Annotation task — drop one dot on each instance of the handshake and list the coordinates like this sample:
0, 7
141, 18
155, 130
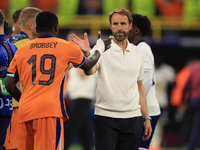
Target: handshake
101, 45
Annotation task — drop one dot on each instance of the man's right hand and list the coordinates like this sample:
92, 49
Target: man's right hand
89, 66
101, 45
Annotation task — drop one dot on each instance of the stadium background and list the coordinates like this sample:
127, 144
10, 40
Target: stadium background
174, 38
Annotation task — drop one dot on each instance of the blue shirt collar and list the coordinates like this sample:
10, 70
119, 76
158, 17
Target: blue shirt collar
139, 42
45, 36
23, 33
2, 36
18, 37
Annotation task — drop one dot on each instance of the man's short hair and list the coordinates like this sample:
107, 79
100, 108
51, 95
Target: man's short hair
143, 23
121, 11
1, 17
28, 15
46, 20
16, 14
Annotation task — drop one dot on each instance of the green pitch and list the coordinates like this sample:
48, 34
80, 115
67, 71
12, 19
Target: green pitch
78, 147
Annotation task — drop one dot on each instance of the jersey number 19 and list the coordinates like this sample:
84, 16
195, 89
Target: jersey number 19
50, 71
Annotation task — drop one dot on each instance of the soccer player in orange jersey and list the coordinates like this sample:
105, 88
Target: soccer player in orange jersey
27, 19
41, 66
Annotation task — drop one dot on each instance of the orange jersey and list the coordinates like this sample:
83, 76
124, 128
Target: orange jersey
177, 92
41, 66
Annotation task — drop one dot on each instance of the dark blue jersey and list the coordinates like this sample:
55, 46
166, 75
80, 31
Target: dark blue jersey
6, 105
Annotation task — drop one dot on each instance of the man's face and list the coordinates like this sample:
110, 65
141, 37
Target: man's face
120, 26
17, 26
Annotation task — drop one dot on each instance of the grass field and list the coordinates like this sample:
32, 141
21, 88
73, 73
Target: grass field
78, 147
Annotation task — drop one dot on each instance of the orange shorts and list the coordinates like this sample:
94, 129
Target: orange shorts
41, 134
11, 141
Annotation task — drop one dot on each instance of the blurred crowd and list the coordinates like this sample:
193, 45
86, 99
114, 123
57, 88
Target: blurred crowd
188, 8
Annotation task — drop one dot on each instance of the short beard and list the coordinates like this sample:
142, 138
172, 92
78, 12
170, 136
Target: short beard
120, 38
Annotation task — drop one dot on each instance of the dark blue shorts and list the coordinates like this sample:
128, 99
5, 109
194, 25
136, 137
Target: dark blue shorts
4, 123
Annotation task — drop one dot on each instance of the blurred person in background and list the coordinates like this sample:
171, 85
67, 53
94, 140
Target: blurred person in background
165, 76
4, 6
183, 114
28, 24
142, 27
193, 85
27, 19
121, 107
16, 25
90, 7
169, 7
7, 51
50, 5
79, 122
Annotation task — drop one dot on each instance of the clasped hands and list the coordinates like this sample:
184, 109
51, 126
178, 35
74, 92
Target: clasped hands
101, 45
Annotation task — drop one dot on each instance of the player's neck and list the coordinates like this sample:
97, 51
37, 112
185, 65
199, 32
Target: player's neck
2, 31
121, 44
28, 33
136, 39
46, 34
15, 33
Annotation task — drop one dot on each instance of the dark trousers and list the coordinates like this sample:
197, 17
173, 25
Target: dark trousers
186, 125
117, 133
78, 124
4, 123
194, 136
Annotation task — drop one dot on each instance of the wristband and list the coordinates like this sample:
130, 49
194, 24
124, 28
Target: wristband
147, 118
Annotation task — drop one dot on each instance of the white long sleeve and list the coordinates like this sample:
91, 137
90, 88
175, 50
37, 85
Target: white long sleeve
147, 82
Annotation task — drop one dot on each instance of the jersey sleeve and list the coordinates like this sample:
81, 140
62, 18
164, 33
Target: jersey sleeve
147, 57
12, 69
76, 57
147, 62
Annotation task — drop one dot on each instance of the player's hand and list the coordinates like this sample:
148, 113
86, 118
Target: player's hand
147, 130
83, 44
107, 42
102, 45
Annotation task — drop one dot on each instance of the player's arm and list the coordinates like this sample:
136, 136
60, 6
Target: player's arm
91, 61
186, 88
148, 72
91, 71
144, 111
12, 88
70, 66
147, 82
80, 73
98, 49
